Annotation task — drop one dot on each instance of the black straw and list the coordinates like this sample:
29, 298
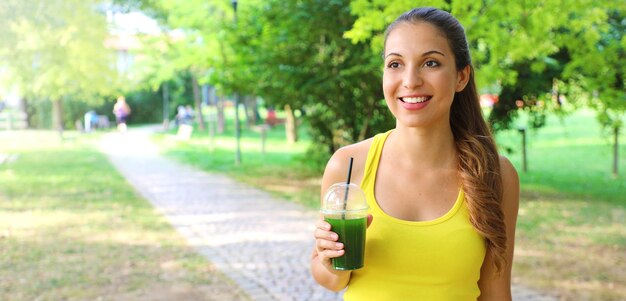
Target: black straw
349, 171
345, 196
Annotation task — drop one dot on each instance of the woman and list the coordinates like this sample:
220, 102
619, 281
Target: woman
443, 203
121, 109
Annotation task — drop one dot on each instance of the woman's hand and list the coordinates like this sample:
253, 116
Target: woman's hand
326, 244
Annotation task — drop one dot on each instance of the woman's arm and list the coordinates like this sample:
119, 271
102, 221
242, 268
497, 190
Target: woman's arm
498, 287
326, 245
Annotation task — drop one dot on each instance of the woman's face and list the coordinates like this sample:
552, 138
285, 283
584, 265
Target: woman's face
420, 76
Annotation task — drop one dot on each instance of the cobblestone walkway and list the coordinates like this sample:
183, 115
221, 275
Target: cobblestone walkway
262, 243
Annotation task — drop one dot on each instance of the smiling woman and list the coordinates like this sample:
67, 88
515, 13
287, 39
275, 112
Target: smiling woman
436, 175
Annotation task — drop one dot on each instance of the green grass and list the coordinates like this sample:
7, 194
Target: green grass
572, 156
571, 238
71, 228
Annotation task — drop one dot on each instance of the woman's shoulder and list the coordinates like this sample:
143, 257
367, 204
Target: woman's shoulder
355, 149
510, 186
337, 166
508, 171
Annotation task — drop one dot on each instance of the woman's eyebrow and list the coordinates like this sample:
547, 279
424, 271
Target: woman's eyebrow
393, 53
423, 54
433, 52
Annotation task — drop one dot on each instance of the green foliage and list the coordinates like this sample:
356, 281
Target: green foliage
322, 56
285, 52
147, 104
195, 40
74, 109
55, 48
39, 115
299, 56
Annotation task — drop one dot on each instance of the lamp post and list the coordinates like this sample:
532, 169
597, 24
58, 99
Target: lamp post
234, 2
237, 125
166, 105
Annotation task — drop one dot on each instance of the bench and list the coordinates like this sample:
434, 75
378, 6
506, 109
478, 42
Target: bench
13, 120
184, 132
262, 129
274, 121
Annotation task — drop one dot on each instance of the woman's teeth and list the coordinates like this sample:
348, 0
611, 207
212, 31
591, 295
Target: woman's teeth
415, 99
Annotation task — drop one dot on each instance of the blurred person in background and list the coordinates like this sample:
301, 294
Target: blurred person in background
121, 111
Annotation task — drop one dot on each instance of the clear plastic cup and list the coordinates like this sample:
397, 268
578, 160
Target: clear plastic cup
344, 207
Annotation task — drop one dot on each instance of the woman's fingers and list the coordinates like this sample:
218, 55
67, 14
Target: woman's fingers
323, 244
327, 254
322, 224
326, 242
370, 218
324, 234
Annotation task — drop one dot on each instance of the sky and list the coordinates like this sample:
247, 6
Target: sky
132, 23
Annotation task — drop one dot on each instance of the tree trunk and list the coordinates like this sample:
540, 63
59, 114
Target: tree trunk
615, 151
57, 115
24, 108
252, 110
221, 121
243, 100
198, 103
291, 128
367, 119
166, 105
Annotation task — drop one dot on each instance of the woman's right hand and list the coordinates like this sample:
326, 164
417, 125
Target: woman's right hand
326, 244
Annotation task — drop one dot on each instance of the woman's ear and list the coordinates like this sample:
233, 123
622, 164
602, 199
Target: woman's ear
463, 76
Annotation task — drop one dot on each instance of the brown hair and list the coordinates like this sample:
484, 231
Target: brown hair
479, 162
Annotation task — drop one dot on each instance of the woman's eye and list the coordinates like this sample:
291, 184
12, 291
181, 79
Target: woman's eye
393, 65
431, 64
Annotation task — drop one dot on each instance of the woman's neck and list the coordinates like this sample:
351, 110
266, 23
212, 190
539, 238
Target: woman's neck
424, 148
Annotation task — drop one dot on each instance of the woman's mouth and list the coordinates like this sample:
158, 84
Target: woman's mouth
414, 103
419, 99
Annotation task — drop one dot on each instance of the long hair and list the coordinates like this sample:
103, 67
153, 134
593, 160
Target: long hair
479, 162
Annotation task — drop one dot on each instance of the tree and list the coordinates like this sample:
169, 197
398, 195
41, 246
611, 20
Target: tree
606, 76
55, 50
203, 47
300, 58
292, 54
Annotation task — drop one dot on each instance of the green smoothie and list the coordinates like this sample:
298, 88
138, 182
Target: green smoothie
352, 234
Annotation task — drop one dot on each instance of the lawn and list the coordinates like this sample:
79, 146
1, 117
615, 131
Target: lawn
71, 228
571, 238
572, 155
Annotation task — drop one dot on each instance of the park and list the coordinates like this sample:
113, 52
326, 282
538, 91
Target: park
211, 188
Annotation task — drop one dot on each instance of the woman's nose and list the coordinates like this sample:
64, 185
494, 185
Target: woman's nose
412, 78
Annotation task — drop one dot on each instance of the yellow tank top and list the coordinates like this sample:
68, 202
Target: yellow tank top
436, 260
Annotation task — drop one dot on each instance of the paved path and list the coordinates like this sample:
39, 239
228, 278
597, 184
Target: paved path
263, 244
